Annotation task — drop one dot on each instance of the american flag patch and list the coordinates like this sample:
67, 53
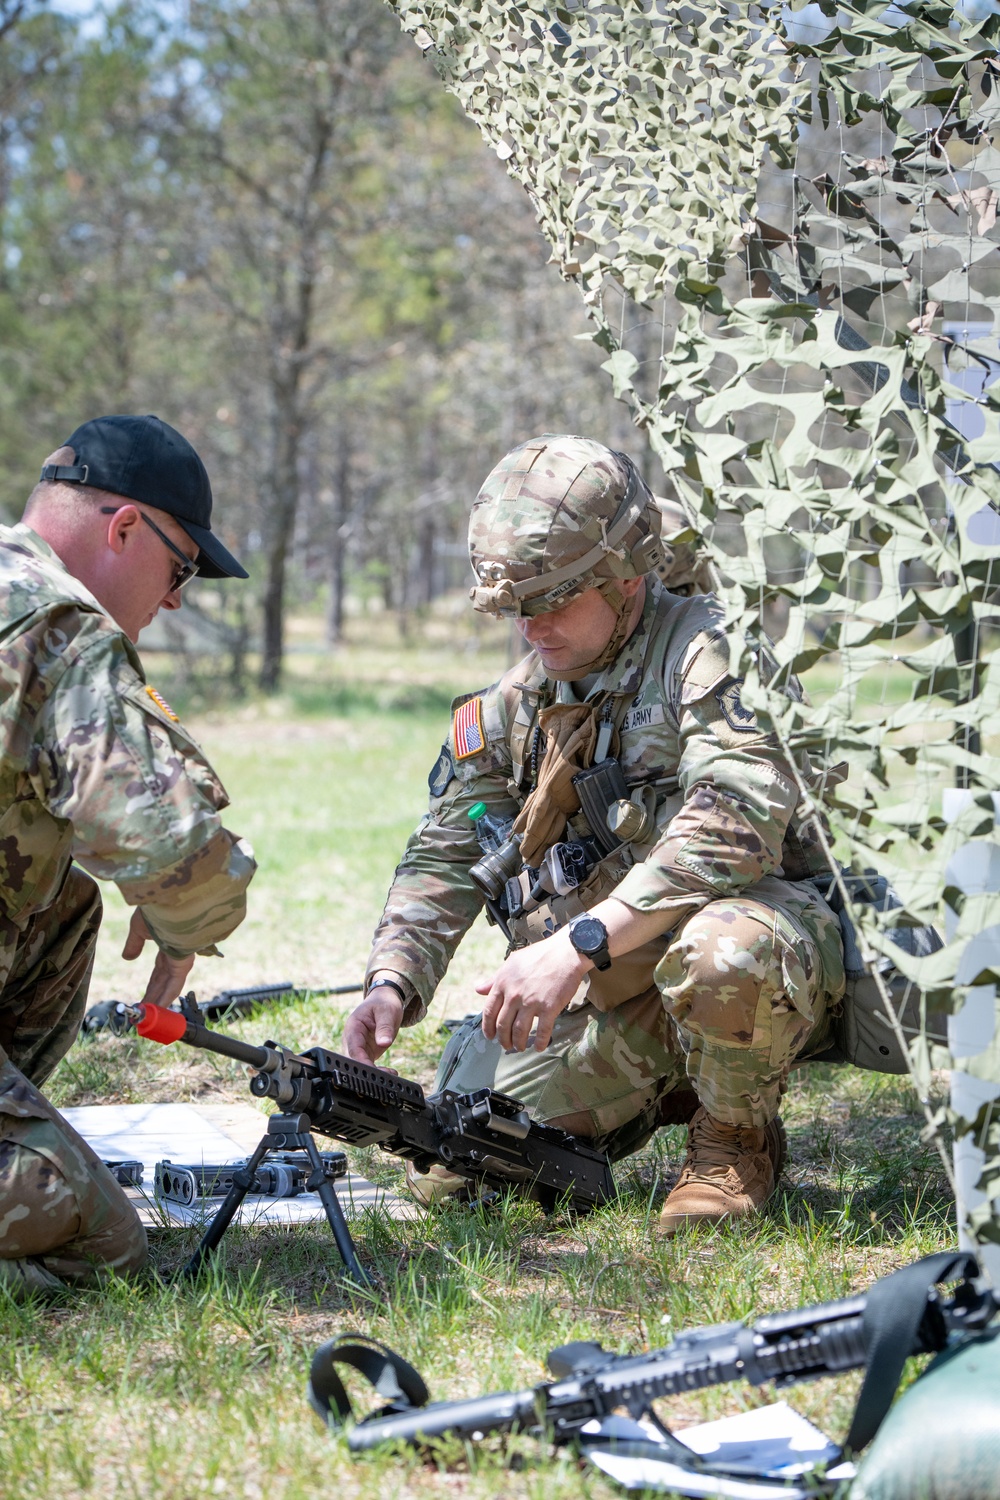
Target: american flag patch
467, 725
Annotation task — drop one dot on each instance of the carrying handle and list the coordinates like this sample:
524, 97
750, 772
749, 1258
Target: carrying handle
389, 1375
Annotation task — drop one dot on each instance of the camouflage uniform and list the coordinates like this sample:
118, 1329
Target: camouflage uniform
742, 983
95, 768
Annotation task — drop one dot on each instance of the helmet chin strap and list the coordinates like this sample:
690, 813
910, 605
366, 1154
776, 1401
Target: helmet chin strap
622, 605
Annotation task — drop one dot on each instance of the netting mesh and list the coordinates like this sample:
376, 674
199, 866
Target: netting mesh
783, 220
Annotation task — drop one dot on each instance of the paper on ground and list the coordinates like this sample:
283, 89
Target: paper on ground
211, 1135
774, 1440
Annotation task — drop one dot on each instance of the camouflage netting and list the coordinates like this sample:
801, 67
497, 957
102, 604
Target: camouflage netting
783, 221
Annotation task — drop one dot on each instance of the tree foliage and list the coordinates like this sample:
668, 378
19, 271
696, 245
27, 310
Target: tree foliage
271, 226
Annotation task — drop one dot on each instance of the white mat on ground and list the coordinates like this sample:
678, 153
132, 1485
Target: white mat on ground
210, 1135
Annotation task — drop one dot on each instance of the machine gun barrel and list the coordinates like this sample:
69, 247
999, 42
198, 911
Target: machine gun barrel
157, 1024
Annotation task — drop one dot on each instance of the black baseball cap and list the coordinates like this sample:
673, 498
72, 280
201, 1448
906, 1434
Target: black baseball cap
145, 459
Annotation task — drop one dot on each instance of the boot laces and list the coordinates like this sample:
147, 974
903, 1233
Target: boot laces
715, 1148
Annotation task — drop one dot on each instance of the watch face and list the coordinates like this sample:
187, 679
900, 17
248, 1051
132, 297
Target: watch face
588, 935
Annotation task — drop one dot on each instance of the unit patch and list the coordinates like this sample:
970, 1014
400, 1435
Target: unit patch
735, 713
467, 729
162, 704
443, 773
643, 718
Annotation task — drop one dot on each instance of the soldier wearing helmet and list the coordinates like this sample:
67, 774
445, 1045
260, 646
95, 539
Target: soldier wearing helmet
669, 958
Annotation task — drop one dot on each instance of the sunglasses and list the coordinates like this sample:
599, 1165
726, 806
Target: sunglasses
188, 569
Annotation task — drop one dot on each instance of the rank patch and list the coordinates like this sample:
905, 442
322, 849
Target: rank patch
467, 729
442, 774
162, 705
734, 711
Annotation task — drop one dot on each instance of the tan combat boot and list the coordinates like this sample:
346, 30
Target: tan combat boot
434, 1185
729, 1172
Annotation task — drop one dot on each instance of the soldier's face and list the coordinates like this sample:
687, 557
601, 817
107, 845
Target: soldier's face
576, 634
139, 571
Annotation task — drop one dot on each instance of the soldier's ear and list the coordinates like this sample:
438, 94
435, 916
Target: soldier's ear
123, 525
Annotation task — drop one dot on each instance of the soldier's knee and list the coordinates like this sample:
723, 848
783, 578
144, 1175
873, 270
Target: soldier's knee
117, 1248
39, 1211
59, 1204
130, 1250
715, 971
111, 1239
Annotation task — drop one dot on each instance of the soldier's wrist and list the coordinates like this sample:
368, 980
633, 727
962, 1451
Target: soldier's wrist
386, 986
588, 937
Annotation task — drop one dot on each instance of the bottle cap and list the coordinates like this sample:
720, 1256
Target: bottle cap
477, 811
628, 821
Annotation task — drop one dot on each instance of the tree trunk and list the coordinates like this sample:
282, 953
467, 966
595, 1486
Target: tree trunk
338, 542
238, 659
425, 581
285, 493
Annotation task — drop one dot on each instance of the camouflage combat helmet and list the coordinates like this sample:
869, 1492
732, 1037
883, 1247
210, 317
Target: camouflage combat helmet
557, 516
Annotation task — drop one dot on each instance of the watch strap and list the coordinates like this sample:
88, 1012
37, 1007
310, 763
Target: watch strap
391, 984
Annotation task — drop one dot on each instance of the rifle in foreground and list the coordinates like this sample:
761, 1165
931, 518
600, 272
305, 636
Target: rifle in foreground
900, 1315
484, 1136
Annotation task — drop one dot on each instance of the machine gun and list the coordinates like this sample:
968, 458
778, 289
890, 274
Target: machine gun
484, 1136
900, 1315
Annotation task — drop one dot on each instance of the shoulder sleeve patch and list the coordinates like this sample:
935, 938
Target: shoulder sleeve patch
467, 729
163, 705
705, 666
442, 774
734, 711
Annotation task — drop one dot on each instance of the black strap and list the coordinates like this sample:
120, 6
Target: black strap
66, 473
386, 984
893, 1310
387, 1373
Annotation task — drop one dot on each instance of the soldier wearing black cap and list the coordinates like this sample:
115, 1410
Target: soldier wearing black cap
95, 771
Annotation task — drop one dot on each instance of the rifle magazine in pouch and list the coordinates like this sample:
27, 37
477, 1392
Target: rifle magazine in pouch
599, 788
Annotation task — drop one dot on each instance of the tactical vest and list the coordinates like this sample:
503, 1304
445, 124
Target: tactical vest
640, 730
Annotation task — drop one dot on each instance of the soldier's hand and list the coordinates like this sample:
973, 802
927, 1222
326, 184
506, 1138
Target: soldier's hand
168, 976
373, 1026
530, 989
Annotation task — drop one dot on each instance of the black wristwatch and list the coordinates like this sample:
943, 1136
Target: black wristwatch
589, 936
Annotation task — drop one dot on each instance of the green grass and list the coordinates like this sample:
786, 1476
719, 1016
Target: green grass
163, 1388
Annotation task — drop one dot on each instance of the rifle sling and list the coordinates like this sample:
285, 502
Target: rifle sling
386, 1372
894, 1308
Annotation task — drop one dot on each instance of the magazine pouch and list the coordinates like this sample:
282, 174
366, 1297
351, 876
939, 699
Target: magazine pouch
863, 1033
